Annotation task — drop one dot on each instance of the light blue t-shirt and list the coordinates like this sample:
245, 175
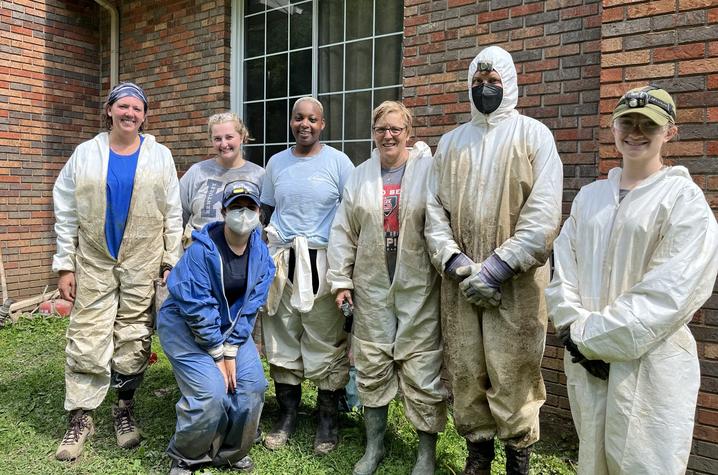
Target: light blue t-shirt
305, 192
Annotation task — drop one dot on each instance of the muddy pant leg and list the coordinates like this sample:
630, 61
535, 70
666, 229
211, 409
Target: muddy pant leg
201, 411
281, 333
466, 364
89, 335
243, 407
514, 338
373, 337
418, 354
324, 345
133, 326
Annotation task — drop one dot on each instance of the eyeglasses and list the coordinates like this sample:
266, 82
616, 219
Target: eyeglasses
626, 125
394, 131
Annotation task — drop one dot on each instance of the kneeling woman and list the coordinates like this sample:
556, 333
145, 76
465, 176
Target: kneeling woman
205, 328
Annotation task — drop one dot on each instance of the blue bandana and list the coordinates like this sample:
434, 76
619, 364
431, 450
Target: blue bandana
125, 89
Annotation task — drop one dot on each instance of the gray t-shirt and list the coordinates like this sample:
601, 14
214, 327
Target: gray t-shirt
202, 186
392, 191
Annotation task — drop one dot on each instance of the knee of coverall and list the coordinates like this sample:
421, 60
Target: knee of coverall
376, 376
202, 405
250, 373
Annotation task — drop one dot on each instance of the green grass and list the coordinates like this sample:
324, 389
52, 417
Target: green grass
32, 423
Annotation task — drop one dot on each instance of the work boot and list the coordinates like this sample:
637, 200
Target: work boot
426, 458
288, 398
128, 435
517, 460
80, 428
481, 454
375, 425
244, 465
327, 435
179, 468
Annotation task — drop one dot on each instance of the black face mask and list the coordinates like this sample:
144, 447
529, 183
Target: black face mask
487, 97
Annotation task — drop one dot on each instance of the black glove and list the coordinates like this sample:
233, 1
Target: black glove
597, 368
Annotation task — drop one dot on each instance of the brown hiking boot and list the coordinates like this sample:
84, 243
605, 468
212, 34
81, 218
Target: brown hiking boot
128, 435
80, 428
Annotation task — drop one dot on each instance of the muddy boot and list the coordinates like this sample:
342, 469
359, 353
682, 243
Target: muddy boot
244, 465
80, 428
517, 460
426, 458
327, 435
288, 398
375, 424
126, 431
481, 454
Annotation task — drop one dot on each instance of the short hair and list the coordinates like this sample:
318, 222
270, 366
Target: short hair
223, 117
309, 99
387, 107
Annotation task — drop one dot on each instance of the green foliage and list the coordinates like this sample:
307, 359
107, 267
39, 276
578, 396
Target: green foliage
32, 422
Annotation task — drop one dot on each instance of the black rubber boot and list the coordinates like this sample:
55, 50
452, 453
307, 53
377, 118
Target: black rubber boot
517, 460
375, 424
426, 458
481, 454
327, 435
288, 398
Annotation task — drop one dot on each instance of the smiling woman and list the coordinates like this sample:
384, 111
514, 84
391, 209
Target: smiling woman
201, 187
635, 259
118, 226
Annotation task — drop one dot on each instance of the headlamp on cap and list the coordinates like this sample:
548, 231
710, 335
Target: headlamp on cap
486, 67
637, 99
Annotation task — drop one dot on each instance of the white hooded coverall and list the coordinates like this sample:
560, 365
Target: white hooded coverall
110, 324
396, 334
495, 186
629, 276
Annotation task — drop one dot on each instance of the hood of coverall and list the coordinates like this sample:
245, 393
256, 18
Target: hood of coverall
504, 65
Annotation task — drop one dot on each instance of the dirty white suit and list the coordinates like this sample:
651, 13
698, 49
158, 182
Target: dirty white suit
396, 334
495, 186
110, 326
629, 277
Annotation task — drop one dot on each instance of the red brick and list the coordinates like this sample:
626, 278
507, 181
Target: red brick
693, 50
649, 72
693, 4
698, 66
622, 59
651, 8
712, 15
488, 17
609, 45
527, 9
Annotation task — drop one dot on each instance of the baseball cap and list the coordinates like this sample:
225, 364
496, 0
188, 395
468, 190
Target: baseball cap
650, 101
238, 189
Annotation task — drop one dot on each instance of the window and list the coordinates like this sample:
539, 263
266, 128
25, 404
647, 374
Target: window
345, 53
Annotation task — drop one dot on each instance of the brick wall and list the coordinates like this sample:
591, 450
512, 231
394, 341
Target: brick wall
49, 82
556, 48
179, 52
673, 44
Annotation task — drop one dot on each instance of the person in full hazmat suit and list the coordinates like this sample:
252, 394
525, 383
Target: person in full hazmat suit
493, 211
118, 226
634, 261
205, 327
202, 186
303, 331
378, 262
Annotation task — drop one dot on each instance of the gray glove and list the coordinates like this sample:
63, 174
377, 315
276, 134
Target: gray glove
476, 289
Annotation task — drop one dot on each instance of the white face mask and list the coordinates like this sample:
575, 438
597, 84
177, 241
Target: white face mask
242, 221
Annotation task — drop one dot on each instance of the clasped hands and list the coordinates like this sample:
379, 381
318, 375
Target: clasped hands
597, 368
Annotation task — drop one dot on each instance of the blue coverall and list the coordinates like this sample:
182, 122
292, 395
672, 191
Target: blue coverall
214, 426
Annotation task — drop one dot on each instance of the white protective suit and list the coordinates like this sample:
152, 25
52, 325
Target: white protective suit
629, 277
396, 334
110, 325
495, 186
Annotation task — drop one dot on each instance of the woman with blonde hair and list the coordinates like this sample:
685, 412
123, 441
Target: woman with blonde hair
202, 186
379, 263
